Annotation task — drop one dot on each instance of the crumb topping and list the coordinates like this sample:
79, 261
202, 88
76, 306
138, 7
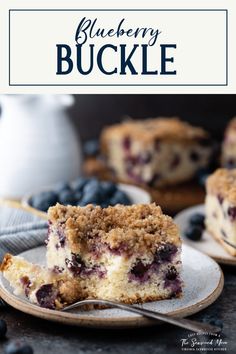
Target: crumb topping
223, 183
135, 227
152, 129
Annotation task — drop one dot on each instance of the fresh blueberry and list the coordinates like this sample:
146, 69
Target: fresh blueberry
3, 329
194, 233
61, 187
44, 200
79, 183
90, 197
67, 197
105, 204
82, 203
93, 184
77, 196
119, 197
202, 176
217, 322
108, 188
202, 180
197, 219
91, 147
18, 348
213, 320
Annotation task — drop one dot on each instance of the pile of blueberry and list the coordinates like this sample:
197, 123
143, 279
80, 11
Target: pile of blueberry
81, 192
13, 347
196, 227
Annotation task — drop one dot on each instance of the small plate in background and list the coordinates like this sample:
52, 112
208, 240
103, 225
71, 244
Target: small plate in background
207, 244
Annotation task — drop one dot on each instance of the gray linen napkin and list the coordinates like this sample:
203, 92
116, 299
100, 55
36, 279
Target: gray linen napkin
20, 230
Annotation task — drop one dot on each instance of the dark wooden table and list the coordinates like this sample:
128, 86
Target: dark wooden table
47, 337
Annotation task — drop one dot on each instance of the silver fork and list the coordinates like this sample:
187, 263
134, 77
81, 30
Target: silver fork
194, 326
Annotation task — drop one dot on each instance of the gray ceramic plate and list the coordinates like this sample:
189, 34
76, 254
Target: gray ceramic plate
203, 284
207, 244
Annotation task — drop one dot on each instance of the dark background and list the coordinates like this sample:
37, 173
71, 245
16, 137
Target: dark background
92, 112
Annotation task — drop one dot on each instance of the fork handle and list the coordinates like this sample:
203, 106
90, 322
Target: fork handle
191, 325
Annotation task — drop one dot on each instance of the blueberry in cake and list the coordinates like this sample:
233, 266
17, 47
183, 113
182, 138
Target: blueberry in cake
129, 254
228, 156
155, 152
221, 208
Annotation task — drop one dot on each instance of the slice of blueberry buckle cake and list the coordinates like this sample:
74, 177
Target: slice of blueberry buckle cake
129, 254
221, 208
228, 156
155, 152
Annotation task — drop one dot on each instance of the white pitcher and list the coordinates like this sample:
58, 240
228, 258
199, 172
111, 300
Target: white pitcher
38, 144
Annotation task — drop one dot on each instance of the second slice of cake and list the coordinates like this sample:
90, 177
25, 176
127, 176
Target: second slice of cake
228, 156
221, 208
125, 253
156, 152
